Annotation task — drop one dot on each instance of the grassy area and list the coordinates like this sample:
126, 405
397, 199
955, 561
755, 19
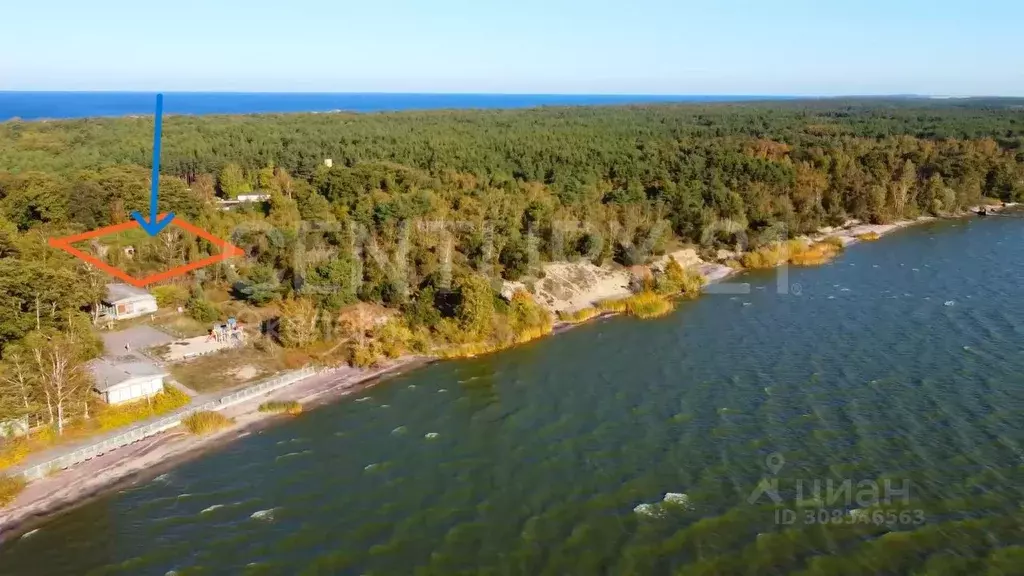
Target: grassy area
643, 305
581, 315
648, 305
9, 489
795, 252
206, 422
180, 325
868, 236
280, 407
835, 241
617, 305
232, 368
14, 450
815, 254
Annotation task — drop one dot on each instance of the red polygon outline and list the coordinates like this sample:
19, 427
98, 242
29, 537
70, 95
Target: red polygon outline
227, 251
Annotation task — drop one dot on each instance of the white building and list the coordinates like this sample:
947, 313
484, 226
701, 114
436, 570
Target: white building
125, 301
123, 381
256, 197
228, 204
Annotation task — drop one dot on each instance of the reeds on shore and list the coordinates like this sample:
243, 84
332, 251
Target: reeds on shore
10, 487
615, 305
521, 335
815, 254
796, 252
290, 407
578, 316
646, 304
206, 422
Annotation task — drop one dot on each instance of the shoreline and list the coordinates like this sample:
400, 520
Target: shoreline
54, 495
46, 498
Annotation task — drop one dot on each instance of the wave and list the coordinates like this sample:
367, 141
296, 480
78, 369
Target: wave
290, 454
267, 515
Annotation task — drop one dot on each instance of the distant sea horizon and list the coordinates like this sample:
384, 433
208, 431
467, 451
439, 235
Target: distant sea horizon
37, 105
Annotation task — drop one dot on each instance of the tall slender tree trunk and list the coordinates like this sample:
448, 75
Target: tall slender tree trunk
49, 407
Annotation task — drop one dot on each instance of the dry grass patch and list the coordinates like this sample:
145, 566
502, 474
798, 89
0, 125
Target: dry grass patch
648, 305
578, 316
617, 305
868, 236
469, 350
14, 450
796, 252
472, 349
9, 489
181, 325
765, 257
206, 422
835, 241
229, 369
645, 304
814, 254
290, 407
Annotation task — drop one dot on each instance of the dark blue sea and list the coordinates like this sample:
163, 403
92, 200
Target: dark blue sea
39, 105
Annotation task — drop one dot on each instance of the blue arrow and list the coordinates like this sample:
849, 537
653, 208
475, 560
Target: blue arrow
154, 225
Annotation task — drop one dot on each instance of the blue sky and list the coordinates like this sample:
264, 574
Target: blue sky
811, 47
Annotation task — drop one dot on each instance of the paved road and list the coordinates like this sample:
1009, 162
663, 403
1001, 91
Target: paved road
137, 338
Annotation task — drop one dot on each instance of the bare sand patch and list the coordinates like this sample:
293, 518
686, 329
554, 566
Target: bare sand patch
571, 286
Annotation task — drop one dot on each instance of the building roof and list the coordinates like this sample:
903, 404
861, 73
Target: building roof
110, 372
116, 292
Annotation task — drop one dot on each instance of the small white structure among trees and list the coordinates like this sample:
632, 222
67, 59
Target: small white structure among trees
126, 301
14, 428
118, 382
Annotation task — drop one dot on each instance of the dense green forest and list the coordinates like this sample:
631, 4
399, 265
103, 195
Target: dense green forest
655, 176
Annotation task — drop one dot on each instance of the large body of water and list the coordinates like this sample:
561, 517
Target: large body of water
37, 105
903, 360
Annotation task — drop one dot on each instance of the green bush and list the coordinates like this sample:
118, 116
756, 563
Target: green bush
170, 296
365, 355
203, 310
676, 280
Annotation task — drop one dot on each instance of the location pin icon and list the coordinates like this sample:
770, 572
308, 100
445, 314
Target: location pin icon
775, 462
